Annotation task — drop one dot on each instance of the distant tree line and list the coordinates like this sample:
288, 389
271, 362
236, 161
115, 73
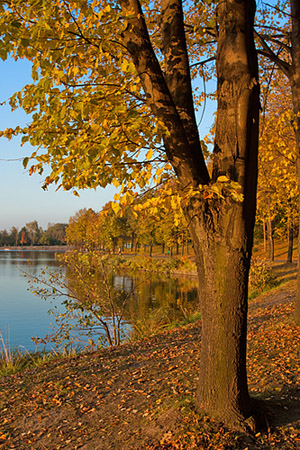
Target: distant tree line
33, 234
132, 232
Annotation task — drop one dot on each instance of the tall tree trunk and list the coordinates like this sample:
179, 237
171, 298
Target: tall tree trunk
223, 235
223, 277
270, 230
290, 238
264, 234
132, 242
270, 239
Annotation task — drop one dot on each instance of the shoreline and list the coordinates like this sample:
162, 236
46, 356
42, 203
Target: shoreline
50, 248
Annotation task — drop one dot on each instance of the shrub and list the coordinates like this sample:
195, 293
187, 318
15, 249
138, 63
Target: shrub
261, 278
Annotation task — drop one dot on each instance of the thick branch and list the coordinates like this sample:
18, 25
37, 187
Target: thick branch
177, 70
235, 153
189, 165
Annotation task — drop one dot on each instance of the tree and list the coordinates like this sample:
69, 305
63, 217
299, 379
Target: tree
277, 181
82, 229
55, 234
23, 236
119, 107
14, 236
34, 232
4, 237
283, 49
112, 229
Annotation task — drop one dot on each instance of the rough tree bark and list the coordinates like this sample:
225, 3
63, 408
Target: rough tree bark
222, 230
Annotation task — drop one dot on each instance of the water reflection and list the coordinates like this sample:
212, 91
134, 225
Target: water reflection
158, 302
155, 302
22, 315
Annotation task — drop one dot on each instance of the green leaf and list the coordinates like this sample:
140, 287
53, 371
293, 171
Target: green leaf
25, 162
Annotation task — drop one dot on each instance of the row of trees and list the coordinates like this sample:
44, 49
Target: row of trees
33, 234
277, 196
112, 101
131, 231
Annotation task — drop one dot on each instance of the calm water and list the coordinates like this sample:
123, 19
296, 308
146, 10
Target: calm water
24, 315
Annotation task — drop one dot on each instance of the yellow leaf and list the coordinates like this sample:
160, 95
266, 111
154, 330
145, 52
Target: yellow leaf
222, 179
116, 207
149, 154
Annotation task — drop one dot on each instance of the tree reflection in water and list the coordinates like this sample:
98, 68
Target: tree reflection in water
104, 307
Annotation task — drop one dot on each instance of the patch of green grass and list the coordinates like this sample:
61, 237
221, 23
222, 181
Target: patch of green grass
14, 360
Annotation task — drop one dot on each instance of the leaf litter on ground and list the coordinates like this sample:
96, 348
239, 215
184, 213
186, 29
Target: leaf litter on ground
141, 395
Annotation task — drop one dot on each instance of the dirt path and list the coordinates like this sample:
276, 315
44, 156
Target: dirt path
141, 395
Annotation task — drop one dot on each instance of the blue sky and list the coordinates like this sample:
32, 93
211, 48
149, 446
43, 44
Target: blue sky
22, 198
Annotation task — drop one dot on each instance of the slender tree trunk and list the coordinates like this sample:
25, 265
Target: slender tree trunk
265, 235
290, 238
136, 248
270, 239
132, 242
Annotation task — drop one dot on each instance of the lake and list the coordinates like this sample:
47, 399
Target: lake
24, 315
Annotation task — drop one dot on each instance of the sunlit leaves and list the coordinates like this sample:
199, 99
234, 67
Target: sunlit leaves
90, 121
277, 183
